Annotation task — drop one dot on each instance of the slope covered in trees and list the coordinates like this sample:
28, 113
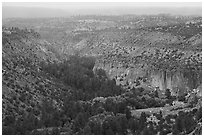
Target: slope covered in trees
85, 79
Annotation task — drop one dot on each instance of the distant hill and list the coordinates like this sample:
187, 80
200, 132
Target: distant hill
32, 12
43, 12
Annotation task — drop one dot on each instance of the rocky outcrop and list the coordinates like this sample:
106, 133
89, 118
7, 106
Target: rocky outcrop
164, 80
177, 81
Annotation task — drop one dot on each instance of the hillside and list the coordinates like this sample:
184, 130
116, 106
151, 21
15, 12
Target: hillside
24, 86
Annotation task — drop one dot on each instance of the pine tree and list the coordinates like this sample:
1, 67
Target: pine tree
87, 130
168, 94
142, 121
128, 113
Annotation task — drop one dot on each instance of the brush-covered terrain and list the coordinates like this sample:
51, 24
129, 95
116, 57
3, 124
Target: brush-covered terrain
102, 75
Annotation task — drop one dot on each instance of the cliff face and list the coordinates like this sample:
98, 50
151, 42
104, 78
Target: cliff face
166, 80
177, 81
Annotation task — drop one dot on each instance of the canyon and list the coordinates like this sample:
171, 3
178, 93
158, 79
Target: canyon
86, 74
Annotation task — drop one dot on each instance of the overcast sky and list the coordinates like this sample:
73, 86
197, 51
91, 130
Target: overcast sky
53, 9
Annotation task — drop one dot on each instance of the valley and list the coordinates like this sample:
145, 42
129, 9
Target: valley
102, 75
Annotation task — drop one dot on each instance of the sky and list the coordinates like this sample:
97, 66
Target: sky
64, 5
54, 9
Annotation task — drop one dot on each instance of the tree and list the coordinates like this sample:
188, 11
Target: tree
8, 130
123, 122
175, 131
9, 120
79, 122
100, 110
101, 73
142, 121
193, 100
55, 131
151, 130
133, 124
128, 113
199, 113
95, 127
178, 125
109, 131
87, 130
156, 94
168, 94
50, 115
189, 123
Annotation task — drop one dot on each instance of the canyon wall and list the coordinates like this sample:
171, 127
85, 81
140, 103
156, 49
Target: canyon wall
175, 81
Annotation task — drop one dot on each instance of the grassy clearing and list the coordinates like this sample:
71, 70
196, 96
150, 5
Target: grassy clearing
165, 110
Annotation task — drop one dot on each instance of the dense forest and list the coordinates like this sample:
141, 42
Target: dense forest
98, 106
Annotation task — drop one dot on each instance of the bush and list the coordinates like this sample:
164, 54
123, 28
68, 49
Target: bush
168, 94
